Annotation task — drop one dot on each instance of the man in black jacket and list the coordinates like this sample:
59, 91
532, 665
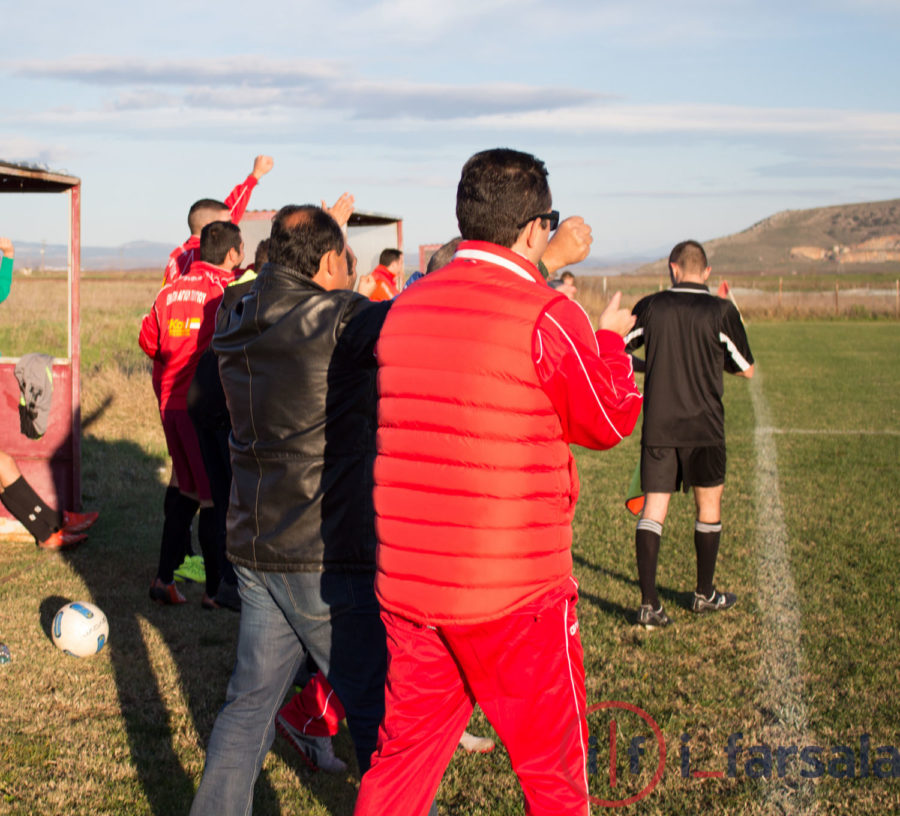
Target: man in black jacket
298, 369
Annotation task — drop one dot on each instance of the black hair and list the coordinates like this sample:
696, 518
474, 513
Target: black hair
204, 211
442, 255
388, 256
689, 256
498, 191
262, 254
301, 235
216, 239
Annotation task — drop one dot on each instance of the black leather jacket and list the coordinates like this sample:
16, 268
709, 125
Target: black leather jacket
298, 368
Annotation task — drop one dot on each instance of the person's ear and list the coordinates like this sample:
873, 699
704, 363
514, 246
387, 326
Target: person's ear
534, 232
706, 273
329, 269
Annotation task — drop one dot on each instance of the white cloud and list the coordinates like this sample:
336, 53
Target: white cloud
699, 119
100, 70
30, 151
254, 83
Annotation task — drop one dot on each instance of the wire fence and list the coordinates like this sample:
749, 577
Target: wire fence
764, 297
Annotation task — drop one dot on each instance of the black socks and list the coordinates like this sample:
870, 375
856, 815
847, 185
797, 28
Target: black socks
706, 543
39, 519
646, 546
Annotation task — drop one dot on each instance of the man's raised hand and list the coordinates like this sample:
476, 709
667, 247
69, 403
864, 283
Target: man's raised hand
341, 210
570, 244
261, 166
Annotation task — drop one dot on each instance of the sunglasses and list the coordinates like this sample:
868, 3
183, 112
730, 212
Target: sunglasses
552, 217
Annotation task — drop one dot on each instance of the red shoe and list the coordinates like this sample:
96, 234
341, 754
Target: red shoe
78, 522
166, 594
62, 540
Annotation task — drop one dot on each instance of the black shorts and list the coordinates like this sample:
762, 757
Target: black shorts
667, 470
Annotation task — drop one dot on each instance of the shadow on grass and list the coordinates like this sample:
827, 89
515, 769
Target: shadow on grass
154, 649
668, 595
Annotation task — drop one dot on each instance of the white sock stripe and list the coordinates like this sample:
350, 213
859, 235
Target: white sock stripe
651, 525
703, 527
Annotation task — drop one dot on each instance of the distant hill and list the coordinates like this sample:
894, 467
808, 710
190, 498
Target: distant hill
133, 255
844, 238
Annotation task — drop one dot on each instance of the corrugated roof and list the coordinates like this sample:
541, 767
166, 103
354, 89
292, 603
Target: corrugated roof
357, 219
24, 178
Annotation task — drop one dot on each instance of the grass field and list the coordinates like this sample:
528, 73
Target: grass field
808, 658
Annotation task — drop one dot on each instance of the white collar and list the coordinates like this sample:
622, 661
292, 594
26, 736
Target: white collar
490, 257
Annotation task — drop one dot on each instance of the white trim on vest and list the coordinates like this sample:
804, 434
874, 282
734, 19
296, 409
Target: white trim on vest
489, 257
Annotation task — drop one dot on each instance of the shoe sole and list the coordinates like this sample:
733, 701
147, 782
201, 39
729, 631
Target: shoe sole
290, 738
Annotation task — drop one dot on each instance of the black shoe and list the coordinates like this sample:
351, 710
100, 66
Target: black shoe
651, 618
714, 603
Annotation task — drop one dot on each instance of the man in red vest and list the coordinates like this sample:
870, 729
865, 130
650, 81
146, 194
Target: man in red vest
486, 374
386, 277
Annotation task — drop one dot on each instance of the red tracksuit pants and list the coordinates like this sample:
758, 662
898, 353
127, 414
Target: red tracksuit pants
525, 670
316, 710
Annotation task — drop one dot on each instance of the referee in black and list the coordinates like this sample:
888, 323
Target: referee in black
690, 337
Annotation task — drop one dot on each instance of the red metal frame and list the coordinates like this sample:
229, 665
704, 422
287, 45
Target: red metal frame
51, 464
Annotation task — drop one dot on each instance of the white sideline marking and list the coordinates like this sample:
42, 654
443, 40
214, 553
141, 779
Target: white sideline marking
780, 674
827, 432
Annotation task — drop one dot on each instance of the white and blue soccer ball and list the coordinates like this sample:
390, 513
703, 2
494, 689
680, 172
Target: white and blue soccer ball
80, 629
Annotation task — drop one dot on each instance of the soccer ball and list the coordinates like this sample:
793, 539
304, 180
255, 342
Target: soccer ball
80, 629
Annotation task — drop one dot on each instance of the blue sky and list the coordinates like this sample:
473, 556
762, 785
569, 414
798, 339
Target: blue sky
658, 121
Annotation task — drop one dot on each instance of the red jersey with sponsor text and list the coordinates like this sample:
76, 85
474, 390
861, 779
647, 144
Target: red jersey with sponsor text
179, 327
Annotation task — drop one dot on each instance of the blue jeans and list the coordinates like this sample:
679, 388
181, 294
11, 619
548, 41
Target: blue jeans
332, 616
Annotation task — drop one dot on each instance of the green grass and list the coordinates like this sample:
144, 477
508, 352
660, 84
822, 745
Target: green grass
124, 733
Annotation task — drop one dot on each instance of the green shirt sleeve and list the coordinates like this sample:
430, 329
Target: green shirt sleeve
6, 267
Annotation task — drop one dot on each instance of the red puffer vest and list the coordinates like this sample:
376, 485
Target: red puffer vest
474, 485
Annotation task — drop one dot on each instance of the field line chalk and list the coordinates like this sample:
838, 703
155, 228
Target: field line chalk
780, 671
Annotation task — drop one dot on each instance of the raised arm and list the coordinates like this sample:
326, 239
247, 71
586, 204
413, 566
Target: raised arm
341, 210
569, 245
239, 197
6, 267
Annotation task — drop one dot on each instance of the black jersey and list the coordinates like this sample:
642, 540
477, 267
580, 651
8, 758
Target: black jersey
691, 337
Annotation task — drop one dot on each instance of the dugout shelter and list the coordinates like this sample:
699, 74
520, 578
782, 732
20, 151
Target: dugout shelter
367, 233
51, 464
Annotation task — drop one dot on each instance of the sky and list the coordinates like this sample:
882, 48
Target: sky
658, 121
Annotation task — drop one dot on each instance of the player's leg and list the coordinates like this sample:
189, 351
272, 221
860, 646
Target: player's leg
707, 533
527, 672
707, 475
26, 506
269, 652
659, 478
179, 511
309, 720
427, 706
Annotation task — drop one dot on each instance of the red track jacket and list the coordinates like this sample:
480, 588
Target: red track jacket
179, 327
